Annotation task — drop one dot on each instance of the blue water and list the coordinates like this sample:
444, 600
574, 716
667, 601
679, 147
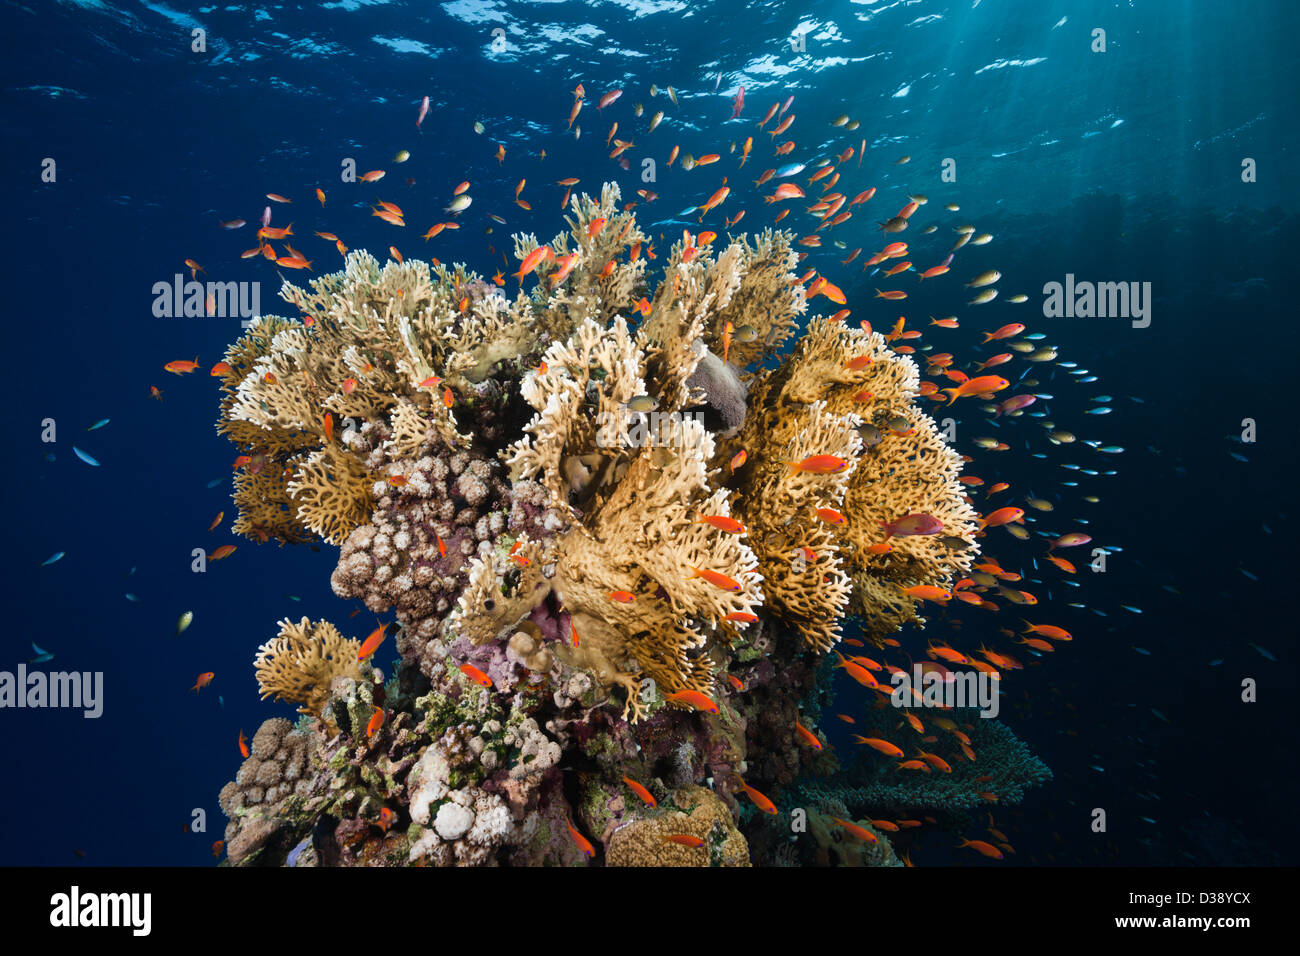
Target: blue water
1117, 166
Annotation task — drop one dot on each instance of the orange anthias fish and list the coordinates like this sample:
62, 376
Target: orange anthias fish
216, 521
723, 523
646, 796
858, 673
1015, 328
807, 736
243, 744
977, 386
716, 578
987, 849
760, 801
203, 681
582, 842
376, 721
693, 699
182, 367
225, 551
371, 643
821, 465
927, 592
1002, 516
684, 839
863, 834
884, 746
476, 675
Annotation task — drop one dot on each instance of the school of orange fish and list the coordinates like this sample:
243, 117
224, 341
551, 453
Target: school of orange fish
828, 211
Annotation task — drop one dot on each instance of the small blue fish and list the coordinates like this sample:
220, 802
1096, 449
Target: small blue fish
687, 212
1099, 410
84, 457
1149, 820
214, 482
52, 558
1101, 398
1111, 449
99, 424
1142, 650
131, 597
1089, 379
1264, 654
222, 701
1068, 364
1134, 398
49, 456
1135, 610
1097, 768
1236, 457
41, 655
1216, 662
790, 169
1035, 336
1248, 574
1161, 716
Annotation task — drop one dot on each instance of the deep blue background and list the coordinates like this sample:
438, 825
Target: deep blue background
155, 144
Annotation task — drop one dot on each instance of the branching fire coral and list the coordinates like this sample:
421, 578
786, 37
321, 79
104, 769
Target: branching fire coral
588, 516
301, 662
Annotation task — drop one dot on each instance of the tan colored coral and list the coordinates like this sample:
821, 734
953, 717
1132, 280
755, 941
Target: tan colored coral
693, 811
265, 509
765, 306
380, 343
330, 492
779, 504
820, 401
588, 382
299, 664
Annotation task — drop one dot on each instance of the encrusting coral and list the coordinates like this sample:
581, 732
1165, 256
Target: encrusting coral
608, 524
